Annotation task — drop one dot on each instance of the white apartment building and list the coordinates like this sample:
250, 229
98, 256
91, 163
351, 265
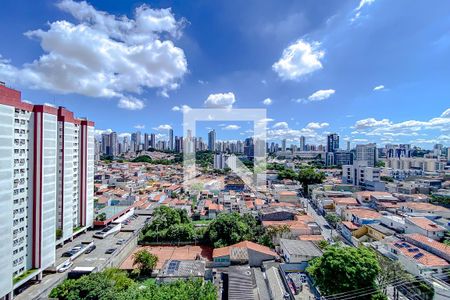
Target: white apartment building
42, 185
416, 163
359, 174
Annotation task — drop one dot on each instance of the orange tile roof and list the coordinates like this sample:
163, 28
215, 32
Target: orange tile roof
287, 193
259, 202
364, 213
369, 193
345, 201
424, 206
282, 204
430, 242
428, 259
249, 204
309, 237
350, 225
425, 224
224, 251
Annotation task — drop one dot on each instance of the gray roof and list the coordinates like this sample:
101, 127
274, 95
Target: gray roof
241, 283
384, 230
183, 268
298, 247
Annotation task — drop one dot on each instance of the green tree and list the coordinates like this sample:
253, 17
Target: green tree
308, 176
145, 261
228, 229
332, 219
344, 269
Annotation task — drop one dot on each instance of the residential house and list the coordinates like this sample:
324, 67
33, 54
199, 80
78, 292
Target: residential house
425, 227
242, 253
296, 251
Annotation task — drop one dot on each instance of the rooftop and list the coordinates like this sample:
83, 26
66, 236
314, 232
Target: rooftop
301, 247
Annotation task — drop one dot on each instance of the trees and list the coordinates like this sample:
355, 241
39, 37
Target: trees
228, 229
113, 284
145, 261
169, 225
332, 219
344, 269
287, 174
308, 176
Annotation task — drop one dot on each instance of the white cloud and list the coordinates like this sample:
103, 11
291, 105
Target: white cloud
446, 114
130, 103
363, 3
98, 132
298, 60
386, 127
378, 88
316, 125
371, 122
231, 127
103, 55
221, 100
321, 95
139, 126
182, 108
281, 125
358, 9
267, 101
163, 127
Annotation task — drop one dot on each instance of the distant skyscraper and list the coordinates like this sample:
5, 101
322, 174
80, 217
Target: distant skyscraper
332, 142
348, 146
212, 140
146, 141
113, 144
302, 143
105, 144
152, 141
170, 141
283, 145
248, 147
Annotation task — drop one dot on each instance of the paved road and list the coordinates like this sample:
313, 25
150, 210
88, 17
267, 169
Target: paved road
96, 258
327, 233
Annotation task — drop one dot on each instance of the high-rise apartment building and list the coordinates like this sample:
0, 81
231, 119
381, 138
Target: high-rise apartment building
212, 140
367, 153
332, 142
46, 183
302, 143
152, 140
283, 145
146, 141
171, 145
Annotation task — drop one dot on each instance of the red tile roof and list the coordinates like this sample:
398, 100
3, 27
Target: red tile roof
225, 251
425, 224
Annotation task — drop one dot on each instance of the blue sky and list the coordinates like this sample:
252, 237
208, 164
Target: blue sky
370, 70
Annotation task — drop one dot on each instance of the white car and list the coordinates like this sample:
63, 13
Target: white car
66, 266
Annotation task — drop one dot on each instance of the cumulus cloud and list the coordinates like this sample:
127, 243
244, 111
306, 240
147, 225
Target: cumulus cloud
281, 125
298, 60
130, 103
386, 127
220, 100
378, 88
316, 125
182, 108
321, 95
163, 127
231, 127
139, 126
267, 101
103, 55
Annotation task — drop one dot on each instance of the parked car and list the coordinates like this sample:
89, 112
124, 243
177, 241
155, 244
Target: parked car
66, 266
69, 253
110, 251
120, 242
90, 249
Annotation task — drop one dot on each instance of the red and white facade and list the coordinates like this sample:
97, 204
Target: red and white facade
46, 183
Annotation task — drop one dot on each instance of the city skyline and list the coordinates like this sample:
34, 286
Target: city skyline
317, 71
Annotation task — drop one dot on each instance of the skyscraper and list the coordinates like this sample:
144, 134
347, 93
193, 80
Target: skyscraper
146, 141
170, 146
212, 140
283, 145
332, 142
152, 141
302, 143
46, 183
113, 144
